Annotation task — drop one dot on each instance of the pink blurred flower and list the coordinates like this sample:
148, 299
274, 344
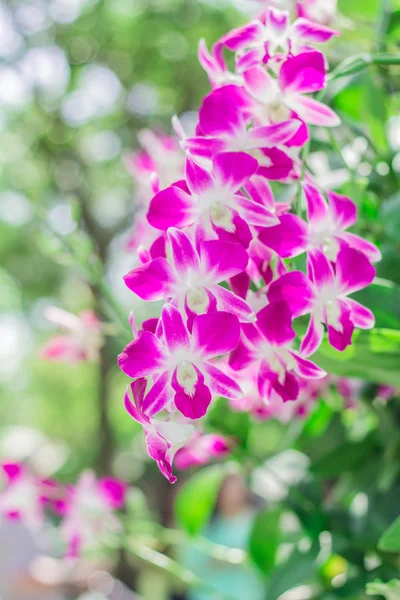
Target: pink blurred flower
81, 341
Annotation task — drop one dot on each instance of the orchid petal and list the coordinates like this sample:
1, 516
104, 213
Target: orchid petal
289, 238
313, 112
313, 338
353, 271
309, 31
215, 334
233, 169
243, 37
175, 333
261, 85
317, 208
172, 207
306, 368
296, 290
143, 356
303, 74
152, 281
221, 384
361, 316
158, 396
275, 323
358, 243
223, 260
229, 302
198, 179
184, 254
193, 406
343, 210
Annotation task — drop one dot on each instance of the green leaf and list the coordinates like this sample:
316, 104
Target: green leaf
264, 539
369, 9
390, 541
344, 458
374, 356
391, 590
196, 500
298, 569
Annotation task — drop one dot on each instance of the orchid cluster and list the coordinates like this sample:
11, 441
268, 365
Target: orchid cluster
217, 246
88, 509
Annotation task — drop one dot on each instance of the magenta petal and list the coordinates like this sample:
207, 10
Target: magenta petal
223, 260
136, 391
233, 169
203, 147
243, 37
288, 390
158, 396
317, 208
274, 164
229, 302
358, 243
216, 333
241, 357
303, 74
341, 339
221, 111
198, 179
314, 113
193, 406
114, 491
158, 449
309, 31
221, 384
172, 207
254, 213
343, 210
143, 356
260, 84
313, 338
184, 254
306, 368
152, 281
273, 135
289, 238
175, 333
260, 191
353, 271
296, 290
360, 315
321, 269
275, 323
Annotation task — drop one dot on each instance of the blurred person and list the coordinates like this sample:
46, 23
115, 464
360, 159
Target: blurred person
230, 526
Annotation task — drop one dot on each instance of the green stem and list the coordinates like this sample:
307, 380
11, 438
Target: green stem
356, 64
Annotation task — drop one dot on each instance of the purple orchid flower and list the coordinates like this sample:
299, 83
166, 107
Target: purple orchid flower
180, 365
213, 200
274, 36
325, 296
89, 513
163, 438
224, 119
267, 344
192, 283
278, 100
325, 230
